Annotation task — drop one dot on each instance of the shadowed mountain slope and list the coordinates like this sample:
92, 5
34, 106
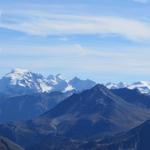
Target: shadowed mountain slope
27, 107
134, 97
93, 113
6, 144
135, 139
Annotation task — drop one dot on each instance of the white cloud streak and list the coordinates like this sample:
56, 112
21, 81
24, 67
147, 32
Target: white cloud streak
44, 24
76, 58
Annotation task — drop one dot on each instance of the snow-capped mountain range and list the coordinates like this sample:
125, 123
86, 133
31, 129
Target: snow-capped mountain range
142, 86
21, 81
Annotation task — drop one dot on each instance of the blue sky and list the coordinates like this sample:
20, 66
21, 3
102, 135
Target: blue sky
105, 40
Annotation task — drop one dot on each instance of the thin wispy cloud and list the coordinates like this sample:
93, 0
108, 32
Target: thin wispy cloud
79, 58
76, 25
